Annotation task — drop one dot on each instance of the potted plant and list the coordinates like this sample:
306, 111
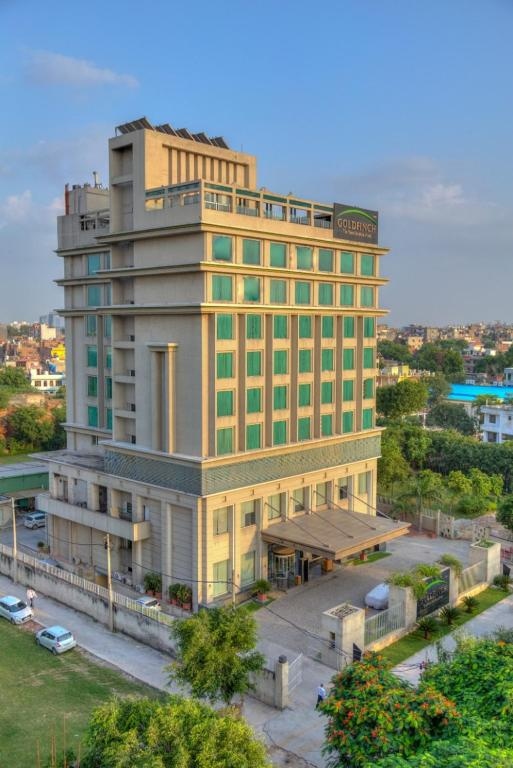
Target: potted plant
174, 590
262, 587
185, 597
151, 582
157, 586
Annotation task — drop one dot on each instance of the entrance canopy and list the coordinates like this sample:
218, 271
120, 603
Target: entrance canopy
334, 533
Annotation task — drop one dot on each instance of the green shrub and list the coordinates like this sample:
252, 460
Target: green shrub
470, 602
453, 563
427, 625
449, 614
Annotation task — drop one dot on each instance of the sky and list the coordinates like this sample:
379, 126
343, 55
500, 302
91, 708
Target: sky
396, 105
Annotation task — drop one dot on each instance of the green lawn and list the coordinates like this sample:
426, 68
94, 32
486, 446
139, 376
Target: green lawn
43, 696
370, 558
410, 644
19, 457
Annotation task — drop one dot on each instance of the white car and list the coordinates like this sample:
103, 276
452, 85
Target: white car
57, 639
149, 602
378, 597
15, 610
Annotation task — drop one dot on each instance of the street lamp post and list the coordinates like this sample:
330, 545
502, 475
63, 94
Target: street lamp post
14, 542
109, 584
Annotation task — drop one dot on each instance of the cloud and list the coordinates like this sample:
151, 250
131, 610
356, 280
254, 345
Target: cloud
15, 208
48, 68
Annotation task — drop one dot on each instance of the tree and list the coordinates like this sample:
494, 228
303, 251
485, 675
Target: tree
14, 378
439, 358
372, 713
424, 488
416, 448
177, 733
451, 416
469, 751
505, 512
392, 350
392, 466
397, 400
215, 653
30, 426
438, 388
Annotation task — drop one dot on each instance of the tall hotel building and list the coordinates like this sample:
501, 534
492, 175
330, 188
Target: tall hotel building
221, 363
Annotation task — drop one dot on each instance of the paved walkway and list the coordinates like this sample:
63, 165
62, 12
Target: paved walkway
499, 615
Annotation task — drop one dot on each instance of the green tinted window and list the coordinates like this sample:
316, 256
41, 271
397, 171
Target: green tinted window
304, 395
254, 400
279, 432
367, 264
327, 360
326, 424
303, 428
302, 293
278, 292
279, 398
94, 295
327, 392
326, 294
108, 418
368, 388
327, 327
280, 326
367, 418
305, 327
253, 326
280, 361
222, 248
90, 325
347, 422
92, 416
225, 403
92, 386
92, 357
366, 296
305, 360
348, 359
253, 437
94, 263
304, 257
251, 251
347, 295
349, 327
369, 327
251, 289
108, 387
225, 365
348, 390
224, 327
108, 357
107, 326
278, 255
254, 363
222, 288
347, 263
224, 441
325, 260
368, 357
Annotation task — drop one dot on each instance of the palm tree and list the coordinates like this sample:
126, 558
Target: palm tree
423, 490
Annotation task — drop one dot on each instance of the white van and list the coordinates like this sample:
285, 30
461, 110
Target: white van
35, 520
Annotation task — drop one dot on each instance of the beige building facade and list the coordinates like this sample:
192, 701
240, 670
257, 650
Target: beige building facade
221, 368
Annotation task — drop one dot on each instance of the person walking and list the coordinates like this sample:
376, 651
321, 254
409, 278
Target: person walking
321, 695
31, 596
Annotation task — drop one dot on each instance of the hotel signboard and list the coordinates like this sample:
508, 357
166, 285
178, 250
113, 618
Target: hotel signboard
436, 595
355, 224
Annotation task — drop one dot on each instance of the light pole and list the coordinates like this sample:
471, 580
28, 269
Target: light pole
109, 584
14, 542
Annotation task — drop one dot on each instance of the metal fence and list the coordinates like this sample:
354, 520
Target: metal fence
89, 586
474, 574
383, 623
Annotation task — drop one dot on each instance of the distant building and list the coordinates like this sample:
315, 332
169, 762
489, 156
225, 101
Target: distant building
497, 426
46, 382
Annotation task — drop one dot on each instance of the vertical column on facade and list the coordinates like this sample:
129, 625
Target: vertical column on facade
234, 549
163, 406
293, 390
157, 396
165, 546
317, 355
196, 558
268, 378
240, 408
170, 388
209, 440
359, 373
337, 426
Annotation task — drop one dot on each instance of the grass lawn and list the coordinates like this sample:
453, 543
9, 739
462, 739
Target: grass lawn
415, 641
43, 695
18, 458
370, 558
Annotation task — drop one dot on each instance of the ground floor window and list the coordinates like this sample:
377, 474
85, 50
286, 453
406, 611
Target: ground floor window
220, 577
247, 568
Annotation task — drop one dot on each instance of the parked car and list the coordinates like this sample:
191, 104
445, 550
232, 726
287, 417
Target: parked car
149, 602
56, 639
35, 520
378, 597
15, 610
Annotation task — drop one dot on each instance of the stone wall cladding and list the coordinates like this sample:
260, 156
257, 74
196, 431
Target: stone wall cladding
240, 474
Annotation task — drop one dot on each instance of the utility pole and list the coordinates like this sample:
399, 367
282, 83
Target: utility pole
109, 584
14, 542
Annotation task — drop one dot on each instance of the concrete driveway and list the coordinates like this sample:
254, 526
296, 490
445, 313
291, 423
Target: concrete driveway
294, 618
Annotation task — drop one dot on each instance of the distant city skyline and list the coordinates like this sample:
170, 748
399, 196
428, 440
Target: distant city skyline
394, 108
